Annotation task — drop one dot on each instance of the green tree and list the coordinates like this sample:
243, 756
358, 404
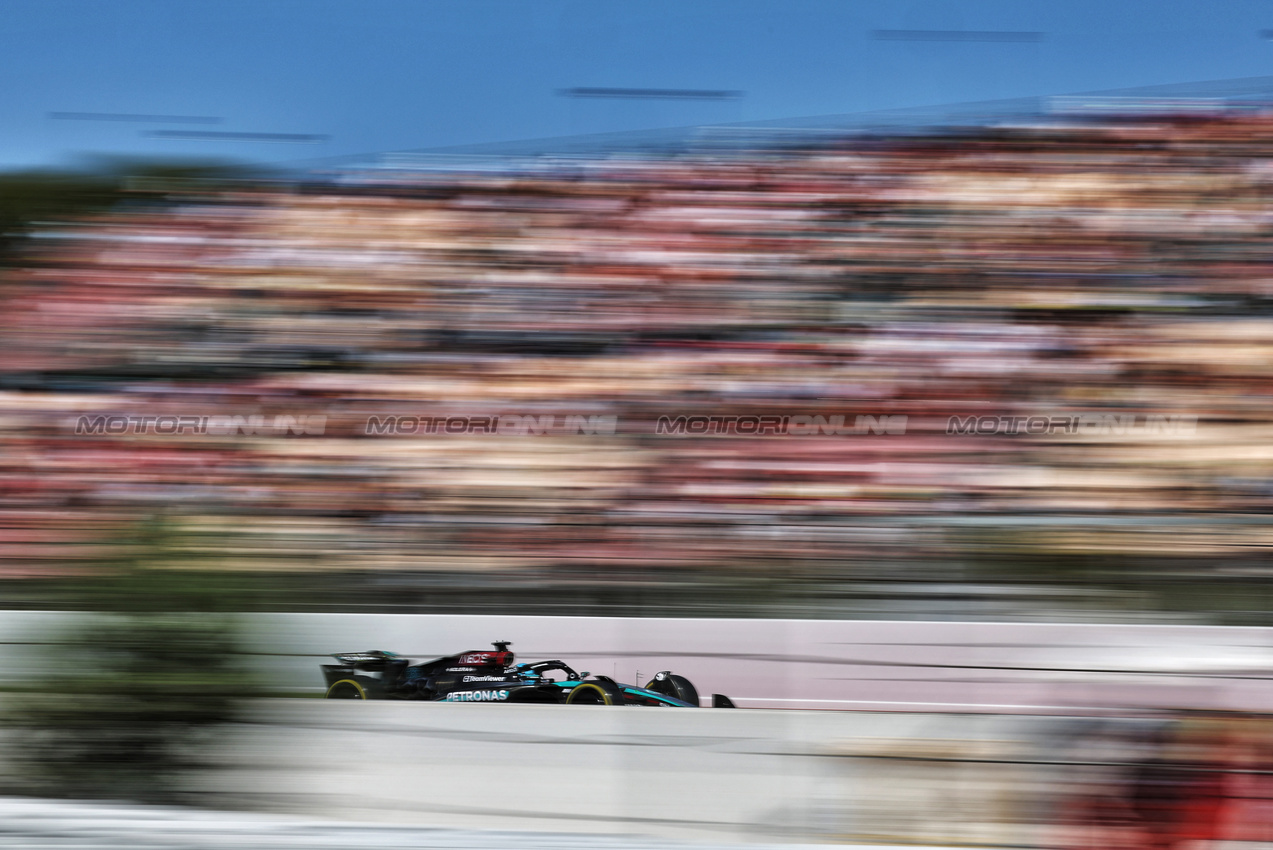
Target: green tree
131, 698
29, 198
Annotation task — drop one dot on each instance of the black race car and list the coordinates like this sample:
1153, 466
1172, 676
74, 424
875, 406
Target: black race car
493, 677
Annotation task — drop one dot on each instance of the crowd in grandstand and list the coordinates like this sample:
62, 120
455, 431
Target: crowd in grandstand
1119, 271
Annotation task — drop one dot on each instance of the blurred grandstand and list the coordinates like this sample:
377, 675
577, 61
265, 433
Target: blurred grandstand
1058, 260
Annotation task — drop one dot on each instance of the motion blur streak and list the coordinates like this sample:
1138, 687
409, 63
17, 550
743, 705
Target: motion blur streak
769, 776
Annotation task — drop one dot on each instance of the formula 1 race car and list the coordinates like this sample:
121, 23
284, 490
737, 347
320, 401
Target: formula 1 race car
491, 676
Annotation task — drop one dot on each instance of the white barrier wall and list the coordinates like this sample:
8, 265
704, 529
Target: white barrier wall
850, 664
840, 664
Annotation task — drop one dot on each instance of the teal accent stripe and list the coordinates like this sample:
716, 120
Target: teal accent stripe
656, 696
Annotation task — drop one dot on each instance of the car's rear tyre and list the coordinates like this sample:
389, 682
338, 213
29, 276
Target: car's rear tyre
346, 689
595, 692
673, 685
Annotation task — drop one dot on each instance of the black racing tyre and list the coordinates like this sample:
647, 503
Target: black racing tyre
595, 692
346, 689
673, 685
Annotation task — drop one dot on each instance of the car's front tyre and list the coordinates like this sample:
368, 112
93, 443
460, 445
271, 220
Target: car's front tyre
672, 685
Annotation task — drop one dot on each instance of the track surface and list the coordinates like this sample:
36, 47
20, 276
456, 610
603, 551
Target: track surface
32, 823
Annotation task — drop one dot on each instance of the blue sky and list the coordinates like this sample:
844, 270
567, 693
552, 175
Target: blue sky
377, 75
